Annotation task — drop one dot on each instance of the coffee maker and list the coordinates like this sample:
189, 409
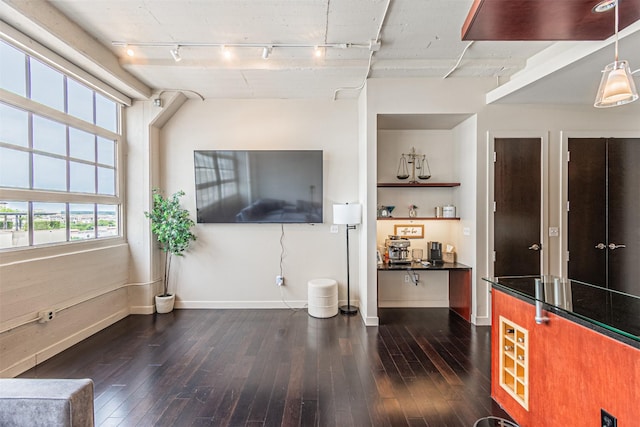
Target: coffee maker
398, 250
434, 252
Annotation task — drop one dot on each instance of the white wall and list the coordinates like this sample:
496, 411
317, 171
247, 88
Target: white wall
234, 265
421, 96
144, 123
83, 283
465, 162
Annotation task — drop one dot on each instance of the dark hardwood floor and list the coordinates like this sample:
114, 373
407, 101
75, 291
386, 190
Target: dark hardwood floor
420, 367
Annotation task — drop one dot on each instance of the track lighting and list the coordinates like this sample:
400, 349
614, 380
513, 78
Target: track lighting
616, 86
319, 50
175, 53
226, 53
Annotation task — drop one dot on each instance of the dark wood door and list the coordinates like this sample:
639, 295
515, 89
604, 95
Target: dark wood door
587, 216
517, 237
624, 214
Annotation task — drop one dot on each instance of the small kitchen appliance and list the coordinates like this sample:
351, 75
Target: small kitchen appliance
434, 252
398, 250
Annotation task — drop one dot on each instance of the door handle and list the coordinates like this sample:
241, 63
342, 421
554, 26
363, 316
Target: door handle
601, 246
535, 247
613, 246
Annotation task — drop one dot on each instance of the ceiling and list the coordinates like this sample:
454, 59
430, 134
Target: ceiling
418, 38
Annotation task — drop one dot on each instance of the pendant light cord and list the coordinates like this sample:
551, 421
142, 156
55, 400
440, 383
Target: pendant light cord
616, 24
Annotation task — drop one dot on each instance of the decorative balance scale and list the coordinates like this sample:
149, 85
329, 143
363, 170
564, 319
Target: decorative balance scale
418, 163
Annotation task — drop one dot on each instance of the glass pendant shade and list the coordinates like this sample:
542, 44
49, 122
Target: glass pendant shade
617, 86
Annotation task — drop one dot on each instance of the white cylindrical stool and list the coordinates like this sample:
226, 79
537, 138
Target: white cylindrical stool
323, 298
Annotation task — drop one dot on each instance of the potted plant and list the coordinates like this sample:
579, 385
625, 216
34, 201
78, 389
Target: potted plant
171, 225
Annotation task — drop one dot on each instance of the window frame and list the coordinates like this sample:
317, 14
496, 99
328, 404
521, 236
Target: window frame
34, 108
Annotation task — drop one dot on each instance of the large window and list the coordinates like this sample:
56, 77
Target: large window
59, 142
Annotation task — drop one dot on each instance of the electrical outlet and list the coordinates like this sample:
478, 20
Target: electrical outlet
334, 229
607, 420
407, 279
280, 280
554, 232
46, 315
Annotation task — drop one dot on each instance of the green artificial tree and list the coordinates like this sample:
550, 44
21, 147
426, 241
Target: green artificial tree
171, 225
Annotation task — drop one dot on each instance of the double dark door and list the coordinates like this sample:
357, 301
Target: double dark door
604, 212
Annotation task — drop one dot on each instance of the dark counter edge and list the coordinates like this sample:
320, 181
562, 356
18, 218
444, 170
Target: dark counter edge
569, 316
418, 266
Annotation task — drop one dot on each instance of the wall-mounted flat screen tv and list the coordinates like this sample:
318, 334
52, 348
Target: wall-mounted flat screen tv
258, 186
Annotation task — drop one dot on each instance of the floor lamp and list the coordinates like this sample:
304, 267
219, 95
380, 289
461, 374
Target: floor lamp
349, 215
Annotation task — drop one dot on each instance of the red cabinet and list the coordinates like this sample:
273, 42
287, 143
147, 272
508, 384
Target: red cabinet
573, 371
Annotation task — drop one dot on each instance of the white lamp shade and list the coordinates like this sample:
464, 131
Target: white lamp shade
347, 213
617, 86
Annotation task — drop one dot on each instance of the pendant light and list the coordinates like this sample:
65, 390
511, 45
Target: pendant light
617, 86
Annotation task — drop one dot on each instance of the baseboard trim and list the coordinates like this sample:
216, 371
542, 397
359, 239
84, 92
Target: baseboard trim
240, 304
413, 304
371, 321
142, 309
40, 356
481, 321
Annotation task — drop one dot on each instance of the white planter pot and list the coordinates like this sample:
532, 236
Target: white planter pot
165, 304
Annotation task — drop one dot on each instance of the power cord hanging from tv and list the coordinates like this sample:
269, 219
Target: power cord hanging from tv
282, 253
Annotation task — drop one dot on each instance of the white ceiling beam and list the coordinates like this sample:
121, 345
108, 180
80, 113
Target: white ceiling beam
553, 59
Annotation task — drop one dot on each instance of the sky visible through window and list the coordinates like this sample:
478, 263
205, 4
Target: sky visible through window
52, 156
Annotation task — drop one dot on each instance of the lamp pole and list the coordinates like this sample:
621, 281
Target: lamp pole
348, 309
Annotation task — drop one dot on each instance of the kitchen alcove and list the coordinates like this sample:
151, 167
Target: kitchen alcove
433, 136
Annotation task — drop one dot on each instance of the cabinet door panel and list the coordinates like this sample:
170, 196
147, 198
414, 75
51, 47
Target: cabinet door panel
587, 216
624, 214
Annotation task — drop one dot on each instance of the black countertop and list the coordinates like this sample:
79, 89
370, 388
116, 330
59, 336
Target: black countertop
610, 312
419, 266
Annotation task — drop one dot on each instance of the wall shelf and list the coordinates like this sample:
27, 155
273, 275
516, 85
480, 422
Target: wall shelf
411, 218
417, 185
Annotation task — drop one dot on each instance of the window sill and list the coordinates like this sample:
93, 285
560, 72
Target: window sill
25, 254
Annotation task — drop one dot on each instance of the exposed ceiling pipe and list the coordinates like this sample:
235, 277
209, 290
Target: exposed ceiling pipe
455, 67
374, 46
158, 100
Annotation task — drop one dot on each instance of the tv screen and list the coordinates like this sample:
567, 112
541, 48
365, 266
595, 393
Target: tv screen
276, 186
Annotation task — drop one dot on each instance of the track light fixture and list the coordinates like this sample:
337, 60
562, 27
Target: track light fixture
226, 53
175, 53
616, 86
267, 48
